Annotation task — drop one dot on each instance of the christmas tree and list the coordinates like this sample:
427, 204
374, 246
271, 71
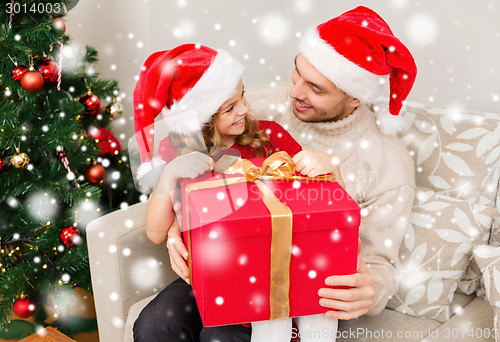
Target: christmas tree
59, 166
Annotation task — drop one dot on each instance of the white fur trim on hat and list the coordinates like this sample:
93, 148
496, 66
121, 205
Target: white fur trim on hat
389, 124
217, 84
346, 75
149, 173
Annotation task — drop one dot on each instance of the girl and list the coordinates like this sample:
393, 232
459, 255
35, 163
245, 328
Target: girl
198, 89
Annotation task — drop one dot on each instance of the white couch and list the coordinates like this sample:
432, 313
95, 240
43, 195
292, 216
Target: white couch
457, 168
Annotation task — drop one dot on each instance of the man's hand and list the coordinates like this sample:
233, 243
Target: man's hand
314, 163
177, 252
354, 301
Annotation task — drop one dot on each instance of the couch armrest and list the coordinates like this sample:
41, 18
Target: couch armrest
125, 267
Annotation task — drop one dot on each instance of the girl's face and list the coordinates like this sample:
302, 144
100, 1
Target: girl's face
230, 119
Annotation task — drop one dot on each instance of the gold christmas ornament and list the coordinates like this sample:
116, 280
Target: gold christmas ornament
114, 109
19, 160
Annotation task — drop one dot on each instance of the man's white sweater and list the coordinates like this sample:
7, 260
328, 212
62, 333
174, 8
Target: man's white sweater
378, 172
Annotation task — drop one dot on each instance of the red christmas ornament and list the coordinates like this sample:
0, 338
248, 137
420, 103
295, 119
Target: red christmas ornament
95, 173
2, 164
105, 140
32, 81
18, 73
91, 103
69, 236
24, 307
59, 26
49, 71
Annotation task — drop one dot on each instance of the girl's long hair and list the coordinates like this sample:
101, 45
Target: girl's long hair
252, 136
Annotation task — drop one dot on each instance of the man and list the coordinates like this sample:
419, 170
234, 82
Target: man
341, 68
339, 71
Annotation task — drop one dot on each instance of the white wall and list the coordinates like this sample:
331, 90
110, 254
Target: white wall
456, 43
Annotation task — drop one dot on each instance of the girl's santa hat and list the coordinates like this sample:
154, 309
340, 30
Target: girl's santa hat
356, 51
187, 85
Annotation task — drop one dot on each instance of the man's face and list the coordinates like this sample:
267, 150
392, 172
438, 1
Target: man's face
316, 98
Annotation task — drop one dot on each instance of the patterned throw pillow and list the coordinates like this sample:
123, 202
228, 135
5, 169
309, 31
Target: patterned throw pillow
488, 260
456, 154
436, 251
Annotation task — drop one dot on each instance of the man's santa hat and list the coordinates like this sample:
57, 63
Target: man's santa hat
187, 85
356, 51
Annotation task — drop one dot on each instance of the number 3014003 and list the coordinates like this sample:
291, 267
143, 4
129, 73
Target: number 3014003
41, 8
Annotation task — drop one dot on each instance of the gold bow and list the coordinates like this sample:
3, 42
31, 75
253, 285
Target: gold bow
277, 165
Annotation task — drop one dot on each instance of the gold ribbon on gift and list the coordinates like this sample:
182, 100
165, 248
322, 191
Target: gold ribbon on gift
278, 166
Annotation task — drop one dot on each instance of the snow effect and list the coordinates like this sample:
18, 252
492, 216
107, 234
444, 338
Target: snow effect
182, 3
243, 259
113, 296
422, 28
145, 273
65, 278
273, 29
42, 206
296, 251
12, 202
184, 30
258, 301
302, 6
336, 235
117, 322
400, 3
321, 262
85, 212
219, 300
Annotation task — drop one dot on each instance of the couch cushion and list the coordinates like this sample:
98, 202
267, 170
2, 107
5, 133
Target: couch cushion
472, 323
389, 325
456, 153
436, 251
488, 260
132, 316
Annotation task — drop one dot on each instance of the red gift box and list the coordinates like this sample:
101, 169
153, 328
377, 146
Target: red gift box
230, 237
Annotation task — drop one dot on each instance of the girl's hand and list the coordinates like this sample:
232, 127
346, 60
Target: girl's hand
177, 251
190, 165
315, 163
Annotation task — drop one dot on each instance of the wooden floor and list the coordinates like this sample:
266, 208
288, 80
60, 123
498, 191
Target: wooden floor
81, 337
